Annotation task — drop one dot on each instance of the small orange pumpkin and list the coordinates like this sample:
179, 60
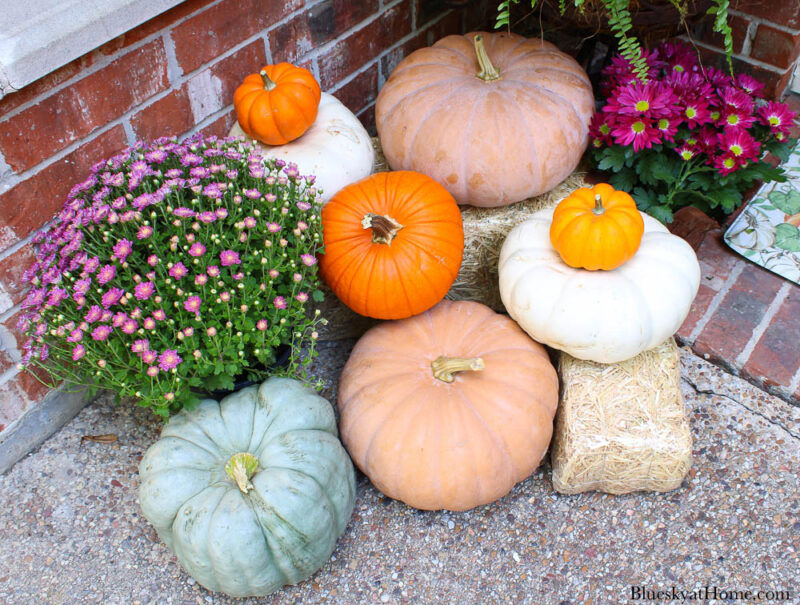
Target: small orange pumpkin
596, 228
393, 244
278, 104
448, 409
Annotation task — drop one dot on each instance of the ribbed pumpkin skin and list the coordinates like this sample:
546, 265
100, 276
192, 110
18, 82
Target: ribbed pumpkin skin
489, 143
437, 445
596, 241
415, 271
281, 531
282, 114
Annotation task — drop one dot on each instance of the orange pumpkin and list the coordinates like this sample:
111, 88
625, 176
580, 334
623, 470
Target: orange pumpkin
494, 117
393, 244
597, 228
448, 409
278, 104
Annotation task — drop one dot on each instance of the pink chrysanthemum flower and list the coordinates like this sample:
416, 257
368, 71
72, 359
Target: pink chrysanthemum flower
75, 336
213, 271
273, 227
777, 116
101, 332
668, 128
193, 304
228, 258
130, 326
169, 359
225, 296
279, 302
93, 314
183, 212
178, 270
91, 265
309, 260
152, 260
250, 222
159, 315
600, 130
152, 371
274, 273
111, 297
149, 356
140, 346
144, 232
297, 278
636, 131
638, 99
749, 84
149, 323
197, 249
106, 274
302, 297
304, 206
200, 279
253, 194
207, 217
119, 318
261, 324
212, 331
144, 290
122, 249
221, 213
78, 352
739, 144
727, 163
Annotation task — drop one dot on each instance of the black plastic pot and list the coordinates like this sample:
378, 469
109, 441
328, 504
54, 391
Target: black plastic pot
282, 355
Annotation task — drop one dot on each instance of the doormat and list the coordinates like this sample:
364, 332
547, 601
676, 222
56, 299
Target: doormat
766, 232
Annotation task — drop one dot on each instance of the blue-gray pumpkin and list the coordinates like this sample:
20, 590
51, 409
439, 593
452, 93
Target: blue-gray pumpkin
250, 493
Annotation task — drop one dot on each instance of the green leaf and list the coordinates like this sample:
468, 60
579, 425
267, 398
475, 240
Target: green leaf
612, 158
661, 212
318, 296
624, 180
787, 202
787, 237
644, 198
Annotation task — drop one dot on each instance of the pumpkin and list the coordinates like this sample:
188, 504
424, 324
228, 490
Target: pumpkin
393, 244
337, 149
278, 104
603, 316
250, 493
495, 118
448, 409
596, 228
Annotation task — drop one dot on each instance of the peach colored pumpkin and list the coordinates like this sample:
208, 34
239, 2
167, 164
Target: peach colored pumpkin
448, 409
491, 141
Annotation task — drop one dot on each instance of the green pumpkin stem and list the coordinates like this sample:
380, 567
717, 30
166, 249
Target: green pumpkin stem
444, 368
268, 83
598, 205
488, 71
241, 467
384, 228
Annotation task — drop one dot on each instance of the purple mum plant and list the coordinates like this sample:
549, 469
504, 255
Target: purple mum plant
688, 135
176, 267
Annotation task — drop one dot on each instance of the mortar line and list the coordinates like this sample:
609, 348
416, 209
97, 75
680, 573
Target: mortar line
760, 20
747, 59
762, 326
715, 302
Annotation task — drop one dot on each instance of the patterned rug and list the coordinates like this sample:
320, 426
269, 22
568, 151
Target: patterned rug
766, 232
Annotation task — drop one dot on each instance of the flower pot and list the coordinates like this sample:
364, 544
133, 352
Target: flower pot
283, 353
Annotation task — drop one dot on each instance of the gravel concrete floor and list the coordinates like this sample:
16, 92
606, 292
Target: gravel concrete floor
72, 532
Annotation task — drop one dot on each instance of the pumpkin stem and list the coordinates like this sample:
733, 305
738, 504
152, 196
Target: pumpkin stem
488, 71
241, 467
598, 205
384, 228
444, 368
268, 83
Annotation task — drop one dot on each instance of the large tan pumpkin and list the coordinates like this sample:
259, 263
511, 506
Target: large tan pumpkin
448, 409
491, 141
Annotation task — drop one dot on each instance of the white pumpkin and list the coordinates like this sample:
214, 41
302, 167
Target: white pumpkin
337, 149
603, 316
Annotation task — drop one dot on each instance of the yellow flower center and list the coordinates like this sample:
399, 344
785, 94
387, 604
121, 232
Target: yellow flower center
638, 127
715, 115
774, 120
728, 163
642, 106
733, 119
691, 112
686, 154
663, 124
678, 68
736, 149
605, 129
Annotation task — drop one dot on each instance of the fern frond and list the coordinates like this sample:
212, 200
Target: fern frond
504, 13
619, 19
720, 12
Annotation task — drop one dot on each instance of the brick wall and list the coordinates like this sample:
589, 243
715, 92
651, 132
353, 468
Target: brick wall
175, 75
766, 41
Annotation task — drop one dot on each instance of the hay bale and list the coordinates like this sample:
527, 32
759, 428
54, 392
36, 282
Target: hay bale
485, 229
621, 427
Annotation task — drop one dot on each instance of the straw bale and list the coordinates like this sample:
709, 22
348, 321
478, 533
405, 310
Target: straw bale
621, 427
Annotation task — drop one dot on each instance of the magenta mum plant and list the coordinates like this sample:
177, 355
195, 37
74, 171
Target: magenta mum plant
176, 267
688, 136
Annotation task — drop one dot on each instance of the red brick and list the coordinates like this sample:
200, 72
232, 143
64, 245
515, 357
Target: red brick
785, 12
774, 82
776, 356
217, 29
34, 382
448, 25
69, 115
313, 28
775, 47
363, 45
221, 126
13, 401
228, 73
739, 312
11, 269
716, 260
692, 224
361, 90
170, 115
738, 29
36, 200
696, 312
44, 84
